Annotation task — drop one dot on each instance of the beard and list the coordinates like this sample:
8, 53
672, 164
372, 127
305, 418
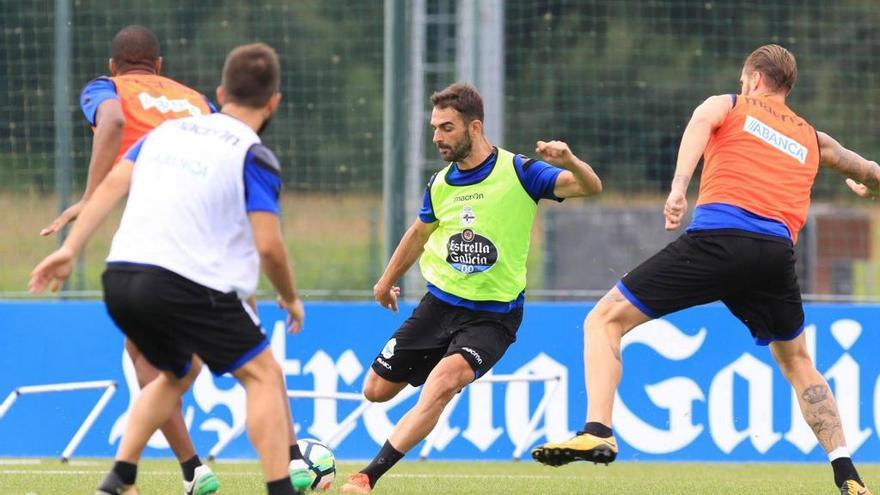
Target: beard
459, 151
264, 125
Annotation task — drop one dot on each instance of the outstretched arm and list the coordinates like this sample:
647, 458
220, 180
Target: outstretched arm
109, 122
407, 252
706, 118
863, 176
57, 266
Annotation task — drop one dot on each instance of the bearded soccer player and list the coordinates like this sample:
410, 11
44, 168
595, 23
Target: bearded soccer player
121, 109
200, 221
761, 159
473, 236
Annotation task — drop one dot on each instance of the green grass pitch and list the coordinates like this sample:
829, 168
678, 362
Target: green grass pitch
80, 476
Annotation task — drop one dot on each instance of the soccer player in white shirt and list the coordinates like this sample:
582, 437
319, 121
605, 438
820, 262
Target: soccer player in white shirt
200, 220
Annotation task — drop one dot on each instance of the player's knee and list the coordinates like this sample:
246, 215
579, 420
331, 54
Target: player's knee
443, 387
376, 392
378, 389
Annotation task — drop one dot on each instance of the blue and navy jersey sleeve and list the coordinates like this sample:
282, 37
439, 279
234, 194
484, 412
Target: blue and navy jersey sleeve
135, 150
537, 177
426, 214
210, 104
262, 180
95, 93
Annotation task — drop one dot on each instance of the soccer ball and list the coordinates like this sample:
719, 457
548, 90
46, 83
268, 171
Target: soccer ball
321, 462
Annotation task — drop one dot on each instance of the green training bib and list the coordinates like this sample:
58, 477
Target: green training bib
478, 251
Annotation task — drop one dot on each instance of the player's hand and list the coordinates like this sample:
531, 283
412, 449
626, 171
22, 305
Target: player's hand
555, 153
52, 271
65, 218
386, 295
296, 313
861, 189
676, 207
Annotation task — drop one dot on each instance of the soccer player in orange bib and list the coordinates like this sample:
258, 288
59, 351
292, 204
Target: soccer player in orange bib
121, 109
760, 163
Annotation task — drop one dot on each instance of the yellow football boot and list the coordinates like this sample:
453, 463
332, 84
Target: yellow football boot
852, 487
583, 447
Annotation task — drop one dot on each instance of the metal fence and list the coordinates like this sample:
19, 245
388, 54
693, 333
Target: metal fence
616, 79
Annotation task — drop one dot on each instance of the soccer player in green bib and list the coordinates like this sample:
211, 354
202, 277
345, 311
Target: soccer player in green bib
473, 235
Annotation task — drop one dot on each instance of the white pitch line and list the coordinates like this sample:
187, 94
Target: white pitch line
484, 476
20, 462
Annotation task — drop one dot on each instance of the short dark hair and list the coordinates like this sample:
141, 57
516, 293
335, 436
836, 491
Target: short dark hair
776, 63
251, 75
462, 97
135, 46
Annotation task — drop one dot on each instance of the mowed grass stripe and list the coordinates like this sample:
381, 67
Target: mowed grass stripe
483, 478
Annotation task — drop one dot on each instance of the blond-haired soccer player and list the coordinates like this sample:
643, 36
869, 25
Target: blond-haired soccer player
761, 159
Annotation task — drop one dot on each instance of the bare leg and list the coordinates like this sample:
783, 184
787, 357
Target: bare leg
815, 398
611, 318
266, 413
152, 408
174, 429
450, 375
378, 389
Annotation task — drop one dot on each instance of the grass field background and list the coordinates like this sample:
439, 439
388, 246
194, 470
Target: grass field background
49, 477
334, 241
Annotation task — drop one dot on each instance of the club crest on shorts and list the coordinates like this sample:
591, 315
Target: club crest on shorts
388, 350
467, 216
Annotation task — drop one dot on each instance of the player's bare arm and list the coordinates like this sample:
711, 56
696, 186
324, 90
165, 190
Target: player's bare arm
109, 121
407, 252
55, 269
275, 263
863, 175
578, 180
706, 118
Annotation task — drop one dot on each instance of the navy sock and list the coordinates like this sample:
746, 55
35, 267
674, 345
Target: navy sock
844, 470
295, 453
189, 467
280, 487
384, 460
126, 471
597, 430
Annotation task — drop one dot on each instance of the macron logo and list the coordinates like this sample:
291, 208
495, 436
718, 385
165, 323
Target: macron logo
776, 139
164, 105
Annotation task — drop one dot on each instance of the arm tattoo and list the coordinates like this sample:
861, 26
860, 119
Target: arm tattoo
853, 165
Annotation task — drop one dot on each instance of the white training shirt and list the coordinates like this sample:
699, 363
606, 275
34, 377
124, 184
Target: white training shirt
194, 182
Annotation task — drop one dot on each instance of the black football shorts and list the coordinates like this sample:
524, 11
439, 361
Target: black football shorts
752, 274
171, 318
436, 330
